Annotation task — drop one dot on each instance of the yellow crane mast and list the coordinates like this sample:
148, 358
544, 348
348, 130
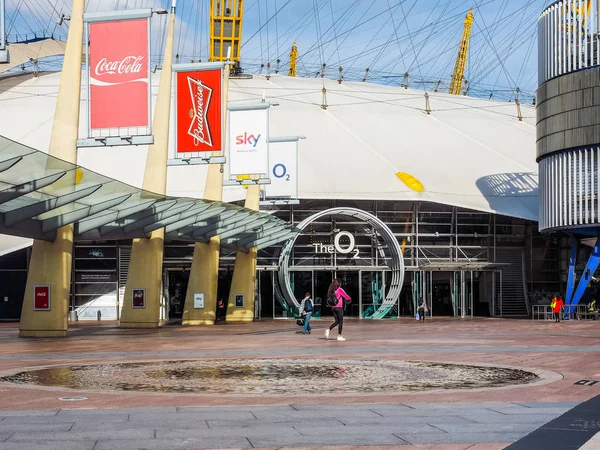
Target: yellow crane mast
461, 60
293, 60
226, 29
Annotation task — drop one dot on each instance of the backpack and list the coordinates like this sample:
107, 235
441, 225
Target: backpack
332, 299
308, 305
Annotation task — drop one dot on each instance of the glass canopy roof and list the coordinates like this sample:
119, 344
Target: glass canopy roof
40, 193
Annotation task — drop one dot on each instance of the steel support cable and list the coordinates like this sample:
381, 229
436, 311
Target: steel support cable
514, 37
372, 39
531, 44
346, 15
409, 35
277, 31
267, 30
194, 47
337, 47
389, 40
318, 26
262, 26
491, 44
187, 28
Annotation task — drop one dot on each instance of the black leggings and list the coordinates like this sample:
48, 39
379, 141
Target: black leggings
338, 315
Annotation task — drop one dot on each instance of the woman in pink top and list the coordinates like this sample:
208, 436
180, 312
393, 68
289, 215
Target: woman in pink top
338, 310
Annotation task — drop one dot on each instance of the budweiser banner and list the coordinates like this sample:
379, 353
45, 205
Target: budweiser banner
248, 141
119, 74
283, 168
199, 111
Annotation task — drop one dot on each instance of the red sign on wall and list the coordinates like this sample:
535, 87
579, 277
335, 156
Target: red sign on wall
41, 298
119, 74
138, 298
199, 111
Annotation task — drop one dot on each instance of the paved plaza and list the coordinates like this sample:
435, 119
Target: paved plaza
551, 413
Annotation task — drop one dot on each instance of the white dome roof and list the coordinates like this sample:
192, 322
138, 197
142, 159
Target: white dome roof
468, 152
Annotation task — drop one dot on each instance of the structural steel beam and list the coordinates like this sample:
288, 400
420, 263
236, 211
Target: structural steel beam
29, 186
5, 165
100, 219
52, 223
238, 225
211, 212
117, 225
191, 212
30, 211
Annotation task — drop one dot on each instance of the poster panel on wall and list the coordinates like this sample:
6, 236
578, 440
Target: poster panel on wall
41, 297
119, 74
283, 168
138, 298
199, 115
248, 141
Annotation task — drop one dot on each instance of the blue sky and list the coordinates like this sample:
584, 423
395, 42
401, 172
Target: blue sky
390, 37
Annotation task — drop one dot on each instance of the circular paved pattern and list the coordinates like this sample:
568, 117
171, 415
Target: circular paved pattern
274, 376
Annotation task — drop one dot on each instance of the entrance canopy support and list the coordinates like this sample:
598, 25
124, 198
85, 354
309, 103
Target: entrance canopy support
586, 277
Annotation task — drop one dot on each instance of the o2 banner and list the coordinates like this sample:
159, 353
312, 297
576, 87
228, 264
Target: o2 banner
199, 110
248, 141
119, 74
283, 168
41, 297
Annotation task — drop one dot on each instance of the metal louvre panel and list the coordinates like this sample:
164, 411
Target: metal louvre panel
566, 38
569, 184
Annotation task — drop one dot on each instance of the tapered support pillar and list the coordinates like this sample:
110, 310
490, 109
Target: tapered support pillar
145, 267
241, 309
51, 261
204, 274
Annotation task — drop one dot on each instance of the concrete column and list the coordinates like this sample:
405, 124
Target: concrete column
51, 261
204, 274
244, 272
145, 267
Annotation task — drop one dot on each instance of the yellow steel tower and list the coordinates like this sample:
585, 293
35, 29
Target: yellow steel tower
225, 29
461, 60
293, 59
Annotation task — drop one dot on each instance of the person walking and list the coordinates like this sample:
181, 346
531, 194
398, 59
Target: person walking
335, 299
557, 309
306, 310
423, 309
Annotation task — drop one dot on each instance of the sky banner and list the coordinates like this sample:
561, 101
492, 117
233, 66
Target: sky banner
248, 140
199, 111
283, 168
119, 74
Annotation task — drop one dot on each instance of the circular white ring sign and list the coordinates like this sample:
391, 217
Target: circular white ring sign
338, 246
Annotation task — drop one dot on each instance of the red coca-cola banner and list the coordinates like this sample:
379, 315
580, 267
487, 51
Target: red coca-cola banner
118, 74
199, 111
41, 297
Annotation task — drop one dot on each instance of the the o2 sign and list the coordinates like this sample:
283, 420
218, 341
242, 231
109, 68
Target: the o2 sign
338, 247
280, 172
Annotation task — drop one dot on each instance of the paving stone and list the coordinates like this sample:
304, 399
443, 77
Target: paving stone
93, 412
524, 411
567, 405
4, 435
328, 439
133, 433
368, 430
512, 418
164, 444
256, 431
36, 419
510, 428
275, 422
190, 416
463, 438
13, 427
44, 445
412, 420
44, 412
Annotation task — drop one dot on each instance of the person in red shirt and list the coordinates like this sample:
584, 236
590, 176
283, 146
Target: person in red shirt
558, 306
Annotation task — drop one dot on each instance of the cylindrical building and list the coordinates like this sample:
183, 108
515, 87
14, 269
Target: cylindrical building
568, 132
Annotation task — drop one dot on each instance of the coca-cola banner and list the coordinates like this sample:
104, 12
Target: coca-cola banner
199, 111
119, 74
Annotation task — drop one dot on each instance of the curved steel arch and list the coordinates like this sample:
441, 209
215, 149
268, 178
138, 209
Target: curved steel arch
397, 266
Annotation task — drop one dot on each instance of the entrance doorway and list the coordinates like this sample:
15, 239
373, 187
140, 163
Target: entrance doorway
176, 288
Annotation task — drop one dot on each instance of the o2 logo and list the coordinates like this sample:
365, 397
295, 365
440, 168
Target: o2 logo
280, 171
338, 247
